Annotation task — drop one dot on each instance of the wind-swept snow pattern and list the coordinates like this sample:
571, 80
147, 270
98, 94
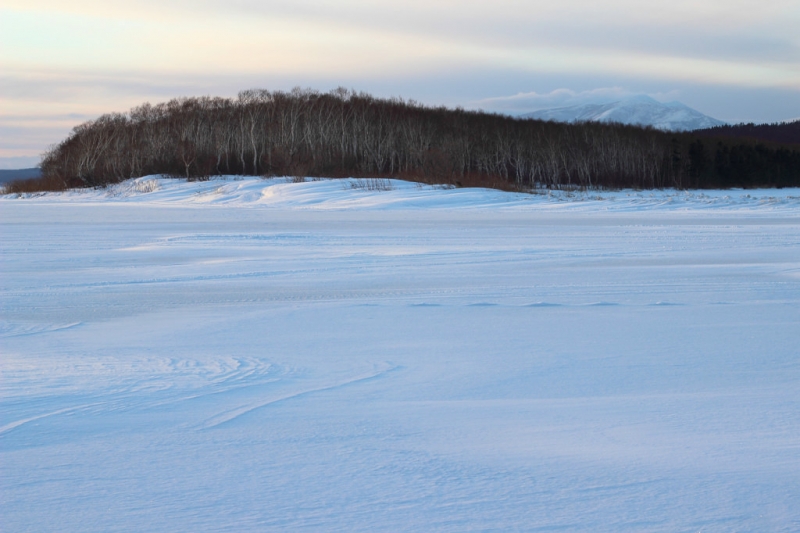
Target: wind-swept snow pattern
261, 355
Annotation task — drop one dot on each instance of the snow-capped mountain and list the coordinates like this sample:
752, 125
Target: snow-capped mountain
639, 110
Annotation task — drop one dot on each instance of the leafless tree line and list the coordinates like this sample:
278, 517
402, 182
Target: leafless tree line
344, 133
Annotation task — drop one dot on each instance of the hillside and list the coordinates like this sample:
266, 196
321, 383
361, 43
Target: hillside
343, 133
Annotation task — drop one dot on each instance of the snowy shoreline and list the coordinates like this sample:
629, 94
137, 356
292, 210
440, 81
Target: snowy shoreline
397, 194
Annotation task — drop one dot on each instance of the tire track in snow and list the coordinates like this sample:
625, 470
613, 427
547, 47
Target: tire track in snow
233, 414
9, 330
18, 423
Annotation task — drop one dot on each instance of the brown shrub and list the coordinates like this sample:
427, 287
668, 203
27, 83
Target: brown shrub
41, 184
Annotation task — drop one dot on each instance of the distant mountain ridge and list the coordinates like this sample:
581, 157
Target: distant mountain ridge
7, 175
638, 110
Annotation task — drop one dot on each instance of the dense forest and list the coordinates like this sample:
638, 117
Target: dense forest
780, 132
344, 133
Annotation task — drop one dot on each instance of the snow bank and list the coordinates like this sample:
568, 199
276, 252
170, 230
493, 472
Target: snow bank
398, 194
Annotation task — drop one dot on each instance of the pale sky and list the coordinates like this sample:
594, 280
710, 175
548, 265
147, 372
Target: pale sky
64, 62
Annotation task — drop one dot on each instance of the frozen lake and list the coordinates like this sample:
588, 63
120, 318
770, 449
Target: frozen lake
267, 356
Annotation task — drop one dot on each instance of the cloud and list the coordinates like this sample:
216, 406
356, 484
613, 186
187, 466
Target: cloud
87, 57
708, 43
533, 101
20, 161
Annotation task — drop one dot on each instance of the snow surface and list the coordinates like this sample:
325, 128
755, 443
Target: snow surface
257, 355
637, 110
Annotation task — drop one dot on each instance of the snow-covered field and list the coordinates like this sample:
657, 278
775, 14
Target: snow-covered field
250, 355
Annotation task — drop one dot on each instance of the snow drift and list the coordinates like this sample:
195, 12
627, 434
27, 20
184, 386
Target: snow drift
250, 355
